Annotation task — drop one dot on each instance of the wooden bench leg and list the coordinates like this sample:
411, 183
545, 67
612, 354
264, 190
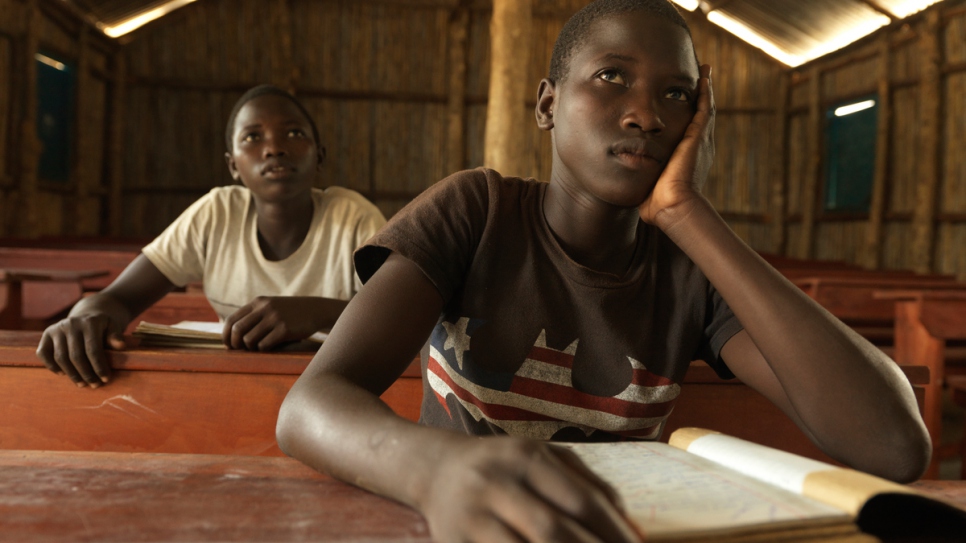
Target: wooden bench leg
11, 305
915, 345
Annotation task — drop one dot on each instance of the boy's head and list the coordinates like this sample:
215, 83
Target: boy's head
263, 90
574, 32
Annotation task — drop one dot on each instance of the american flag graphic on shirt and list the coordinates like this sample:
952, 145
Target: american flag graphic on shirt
540, 399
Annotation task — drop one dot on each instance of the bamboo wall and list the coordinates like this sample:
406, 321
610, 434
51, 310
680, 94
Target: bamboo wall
918, 215
29, 206
399, 90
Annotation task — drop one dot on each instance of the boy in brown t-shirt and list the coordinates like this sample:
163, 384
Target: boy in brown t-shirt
570, 310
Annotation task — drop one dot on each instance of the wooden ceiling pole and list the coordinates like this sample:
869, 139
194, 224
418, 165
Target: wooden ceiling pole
930, 91
871, 255
875, 5
505, 138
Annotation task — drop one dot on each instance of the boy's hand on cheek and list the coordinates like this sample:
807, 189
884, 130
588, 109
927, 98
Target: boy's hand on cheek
686, 172
510, 489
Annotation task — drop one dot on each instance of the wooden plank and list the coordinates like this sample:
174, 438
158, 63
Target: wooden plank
811, 184
153, 402
29, 142
505, 138
49, 259
779, 187
456, 104
50, 496
78, 220
115, 138
922, 327
930, 115
871, 256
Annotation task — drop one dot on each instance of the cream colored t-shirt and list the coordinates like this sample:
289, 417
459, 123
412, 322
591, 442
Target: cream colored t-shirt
215, 241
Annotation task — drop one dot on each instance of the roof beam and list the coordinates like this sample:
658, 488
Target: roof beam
875, 5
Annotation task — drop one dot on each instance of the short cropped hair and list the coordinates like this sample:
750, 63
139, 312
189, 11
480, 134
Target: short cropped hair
574, 32
262, 90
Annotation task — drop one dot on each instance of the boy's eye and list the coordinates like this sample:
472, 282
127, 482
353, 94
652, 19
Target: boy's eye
612, 76
680, 95
250, 137
296, 133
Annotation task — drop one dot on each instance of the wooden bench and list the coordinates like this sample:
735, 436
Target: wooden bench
53, 290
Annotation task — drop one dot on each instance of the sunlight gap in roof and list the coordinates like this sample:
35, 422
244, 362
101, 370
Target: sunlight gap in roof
143, 18
872, 23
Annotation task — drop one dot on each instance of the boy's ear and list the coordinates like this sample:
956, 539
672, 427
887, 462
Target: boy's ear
232, 168
321, 149
545, 101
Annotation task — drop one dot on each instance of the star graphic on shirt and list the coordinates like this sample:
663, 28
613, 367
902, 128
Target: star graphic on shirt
457, 338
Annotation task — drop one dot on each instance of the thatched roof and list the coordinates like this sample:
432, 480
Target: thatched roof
794, 31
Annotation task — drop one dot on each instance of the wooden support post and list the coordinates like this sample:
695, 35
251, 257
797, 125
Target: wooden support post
871, 255
930, 91
82, 222
779, 170
456, 103
30, 147
505, 140
813, 173
116, 143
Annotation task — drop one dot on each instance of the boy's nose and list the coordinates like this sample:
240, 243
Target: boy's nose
642, 115
273, 148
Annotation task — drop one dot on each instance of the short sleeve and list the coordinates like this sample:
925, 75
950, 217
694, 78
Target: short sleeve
439, 231
179, 252
721, 326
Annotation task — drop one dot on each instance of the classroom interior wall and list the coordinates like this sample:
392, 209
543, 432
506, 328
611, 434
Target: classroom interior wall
399, 91
917, 70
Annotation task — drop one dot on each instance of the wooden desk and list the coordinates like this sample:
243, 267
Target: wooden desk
48, 496
925, 321
57, 496
30, 295
160, 400
114, 261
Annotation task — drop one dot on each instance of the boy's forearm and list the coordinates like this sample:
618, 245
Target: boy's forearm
841, 386
324, 311
339, 428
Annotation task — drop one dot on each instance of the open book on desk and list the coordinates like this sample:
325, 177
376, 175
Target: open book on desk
705, 486
193, 334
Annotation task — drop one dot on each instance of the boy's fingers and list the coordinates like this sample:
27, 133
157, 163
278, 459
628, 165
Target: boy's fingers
62, 358
573, 462
537, 520
116, 341
581, 498
77, 349
227, 331
45, 351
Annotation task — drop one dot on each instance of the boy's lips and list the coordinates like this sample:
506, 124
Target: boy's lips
637, 151
275, 169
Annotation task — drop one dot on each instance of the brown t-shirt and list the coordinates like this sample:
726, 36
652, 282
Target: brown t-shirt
531, 343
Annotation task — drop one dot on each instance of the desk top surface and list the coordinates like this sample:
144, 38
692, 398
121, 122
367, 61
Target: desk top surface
53, 496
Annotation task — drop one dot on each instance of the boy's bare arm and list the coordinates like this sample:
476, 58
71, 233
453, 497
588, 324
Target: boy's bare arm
270, 320
468, 488
75, 345
846, 394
